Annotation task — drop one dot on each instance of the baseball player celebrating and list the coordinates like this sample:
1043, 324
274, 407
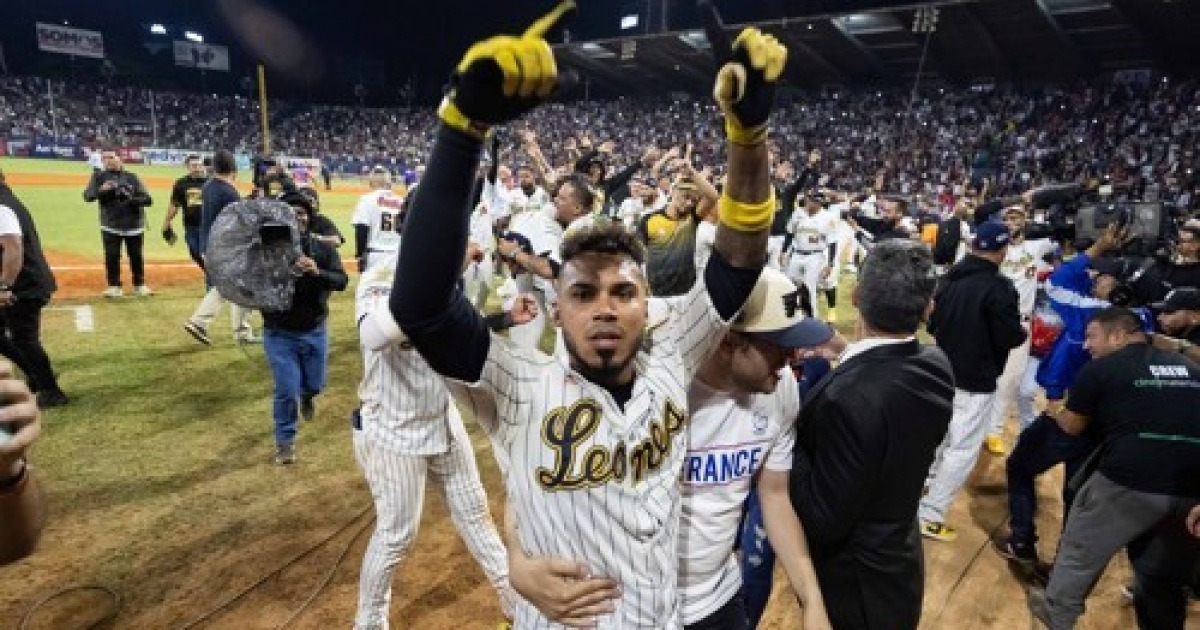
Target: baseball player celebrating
594, 438
407, 430
810, 233
377, 219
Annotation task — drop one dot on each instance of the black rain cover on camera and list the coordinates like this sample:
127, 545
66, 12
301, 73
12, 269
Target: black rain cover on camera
251, 251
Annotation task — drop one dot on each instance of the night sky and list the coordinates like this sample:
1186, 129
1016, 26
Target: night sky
320, 49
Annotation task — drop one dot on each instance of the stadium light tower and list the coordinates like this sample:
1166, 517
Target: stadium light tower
193, 36
158, 29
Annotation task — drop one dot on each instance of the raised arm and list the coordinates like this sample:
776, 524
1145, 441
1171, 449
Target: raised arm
497, 80
745, 90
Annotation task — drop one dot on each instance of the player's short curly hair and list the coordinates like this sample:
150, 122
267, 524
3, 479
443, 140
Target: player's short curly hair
603, 237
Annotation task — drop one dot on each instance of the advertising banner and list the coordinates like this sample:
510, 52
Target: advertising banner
70, 41
130, 155
169, 157
49, 148
201, 56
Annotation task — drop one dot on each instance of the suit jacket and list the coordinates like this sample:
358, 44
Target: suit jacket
866, 440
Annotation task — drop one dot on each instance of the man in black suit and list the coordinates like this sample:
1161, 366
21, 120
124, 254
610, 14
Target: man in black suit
867, 437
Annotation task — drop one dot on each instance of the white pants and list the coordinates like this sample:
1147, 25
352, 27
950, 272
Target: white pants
1008, 384
1027, 391
206, 312
805, 269
957, 454
775, 251
397, 485
478, 281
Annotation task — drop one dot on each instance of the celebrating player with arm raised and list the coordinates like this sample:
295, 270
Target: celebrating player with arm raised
592, 440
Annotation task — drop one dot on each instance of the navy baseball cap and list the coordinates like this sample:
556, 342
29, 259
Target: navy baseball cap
1181, 299
1114, 267
772, 313
991, 236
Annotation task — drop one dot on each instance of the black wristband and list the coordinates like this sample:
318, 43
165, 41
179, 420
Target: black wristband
15, 482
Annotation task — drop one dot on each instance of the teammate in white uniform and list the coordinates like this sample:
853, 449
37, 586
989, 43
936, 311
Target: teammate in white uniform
812, 229
535, 270
1025, 259
744, 403
376, 219
408, 431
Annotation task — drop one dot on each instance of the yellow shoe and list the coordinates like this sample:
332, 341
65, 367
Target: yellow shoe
995, 445
938, 531
831, 315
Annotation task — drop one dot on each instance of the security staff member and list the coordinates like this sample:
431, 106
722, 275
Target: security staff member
26, 286
1141, 401
1179, 316
185, 196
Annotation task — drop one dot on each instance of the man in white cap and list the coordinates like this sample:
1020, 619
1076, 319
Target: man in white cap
743, 402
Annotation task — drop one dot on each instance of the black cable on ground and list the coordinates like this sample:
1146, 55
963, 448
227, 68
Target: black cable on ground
967, 569
263, 580
111, 615
328, 576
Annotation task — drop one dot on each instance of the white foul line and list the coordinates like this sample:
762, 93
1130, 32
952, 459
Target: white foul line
84, 319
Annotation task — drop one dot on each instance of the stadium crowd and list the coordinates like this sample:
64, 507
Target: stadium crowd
1140, 135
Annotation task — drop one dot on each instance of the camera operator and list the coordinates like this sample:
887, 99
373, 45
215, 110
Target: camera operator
1179, 317
1183, 269
123, 201
1140, 402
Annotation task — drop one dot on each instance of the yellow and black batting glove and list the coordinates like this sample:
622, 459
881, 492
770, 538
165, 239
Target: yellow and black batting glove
502, 77
747, 70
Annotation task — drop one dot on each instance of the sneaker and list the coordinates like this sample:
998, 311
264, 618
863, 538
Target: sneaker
285, 454
308, 410
831, 316
51, 398
1022, 553
1039, 606
113, 292
197, 332
994, 444
142, 290
938, 531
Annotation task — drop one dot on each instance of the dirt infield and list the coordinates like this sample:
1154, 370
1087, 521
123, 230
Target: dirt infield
63, 180
83, 277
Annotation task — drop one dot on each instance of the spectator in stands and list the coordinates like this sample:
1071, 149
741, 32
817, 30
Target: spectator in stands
123, 201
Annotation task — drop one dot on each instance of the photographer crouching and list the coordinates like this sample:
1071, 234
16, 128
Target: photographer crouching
123, 202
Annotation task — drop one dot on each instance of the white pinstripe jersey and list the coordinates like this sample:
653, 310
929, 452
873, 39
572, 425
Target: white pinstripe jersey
588, 480
404, 403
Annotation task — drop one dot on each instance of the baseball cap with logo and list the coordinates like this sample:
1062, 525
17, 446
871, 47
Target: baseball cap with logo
991, 236
772, 313
1181, 299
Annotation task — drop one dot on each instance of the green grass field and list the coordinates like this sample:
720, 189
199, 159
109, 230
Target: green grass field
67, 224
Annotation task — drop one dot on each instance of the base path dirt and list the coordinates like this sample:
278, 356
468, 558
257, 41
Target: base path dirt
83, 277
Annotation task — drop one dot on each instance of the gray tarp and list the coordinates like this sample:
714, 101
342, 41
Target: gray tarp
251, 251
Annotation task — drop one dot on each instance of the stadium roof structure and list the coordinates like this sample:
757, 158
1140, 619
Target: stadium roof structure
975, 41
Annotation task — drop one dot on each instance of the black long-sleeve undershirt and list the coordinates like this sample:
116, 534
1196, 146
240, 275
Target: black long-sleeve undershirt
426, 301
